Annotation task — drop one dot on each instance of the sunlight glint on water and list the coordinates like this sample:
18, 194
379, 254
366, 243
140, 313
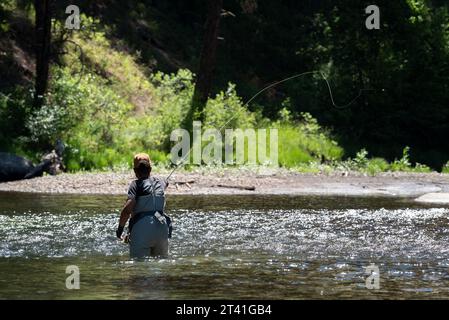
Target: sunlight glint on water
286, 248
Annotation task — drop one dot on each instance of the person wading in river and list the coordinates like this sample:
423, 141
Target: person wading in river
149, 228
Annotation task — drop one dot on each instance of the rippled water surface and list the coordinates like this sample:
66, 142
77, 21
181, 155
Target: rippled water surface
231, 247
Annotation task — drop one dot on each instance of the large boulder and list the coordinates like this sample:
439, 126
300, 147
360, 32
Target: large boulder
13, 167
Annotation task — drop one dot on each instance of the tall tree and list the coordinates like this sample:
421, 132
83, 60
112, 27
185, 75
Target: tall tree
203, 83
43, 43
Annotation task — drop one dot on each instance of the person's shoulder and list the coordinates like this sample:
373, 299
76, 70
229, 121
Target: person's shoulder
133, 183
159, 180
132, 189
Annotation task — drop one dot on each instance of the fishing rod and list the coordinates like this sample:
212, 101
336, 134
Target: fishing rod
271, 86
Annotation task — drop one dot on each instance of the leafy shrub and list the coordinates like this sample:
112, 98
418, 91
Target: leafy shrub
174, 93
422, 168
45, 124
360, 161
14, 109
226, 110
376, 165
445, 168
402, 164
305, 141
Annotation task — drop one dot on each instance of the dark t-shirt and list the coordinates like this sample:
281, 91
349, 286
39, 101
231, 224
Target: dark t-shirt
143, 187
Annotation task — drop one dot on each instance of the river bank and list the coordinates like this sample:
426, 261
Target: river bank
244, 181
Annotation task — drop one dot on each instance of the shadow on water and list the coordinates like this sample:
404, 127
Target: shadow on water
16, 201
249, 247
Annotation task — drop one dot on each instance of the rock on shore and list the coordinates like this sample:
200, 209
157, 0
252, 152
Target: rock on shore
440, 198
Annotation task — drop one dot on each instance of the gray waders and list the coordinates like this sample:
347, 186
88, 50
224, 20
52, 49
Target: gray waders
149, 227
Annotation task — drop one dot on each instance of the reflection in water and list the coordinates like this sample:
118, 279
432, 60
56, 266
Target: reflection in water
227, 247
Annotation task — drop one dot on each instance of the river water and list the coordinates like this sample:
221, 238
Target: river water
232, 247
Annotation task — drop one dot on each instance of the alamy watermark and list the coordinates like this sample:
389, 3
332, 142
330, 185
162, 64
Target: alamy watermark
73, 280
373, 279
373, 20
241, 146
72, 22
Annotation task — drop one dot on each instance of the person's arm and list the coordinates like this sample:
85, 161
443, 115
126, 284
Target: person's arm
127, 209
124, 216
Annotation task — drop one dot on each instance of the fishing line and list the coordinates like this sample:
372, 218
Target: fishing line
271, 86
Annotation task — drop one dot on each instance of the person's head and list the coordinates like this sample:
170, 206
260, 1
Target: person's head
142, 165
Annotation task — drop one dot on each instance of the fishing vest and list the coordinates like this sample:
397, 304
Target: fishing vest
149, 203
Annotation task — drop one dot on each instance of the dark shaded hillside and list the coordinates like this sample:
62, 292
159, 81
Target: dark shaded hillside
167, 35
404, 66
16, 53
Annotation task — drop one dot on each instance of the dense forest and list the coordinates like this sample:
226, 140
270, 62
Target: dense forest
136, 70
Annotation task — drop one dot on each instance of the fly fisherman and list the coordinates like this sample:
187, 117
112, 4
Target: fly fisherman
149, 228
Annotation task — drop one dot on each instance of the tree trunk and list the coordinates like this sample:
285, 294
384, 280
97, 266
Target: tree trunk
43, 42
203, 83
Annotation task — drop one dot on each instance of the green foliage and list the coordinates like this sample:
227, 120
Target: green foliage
104, 111
402, 164
111, 61
111, 104
226, 110
14, 108
305, 141
292, 151
445, 168
6, 6
360, 160
46, 124
362, 163
174, 94
285, 115
103, 130
376, 165
421, 168
419, 10
89, 116
101, 127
